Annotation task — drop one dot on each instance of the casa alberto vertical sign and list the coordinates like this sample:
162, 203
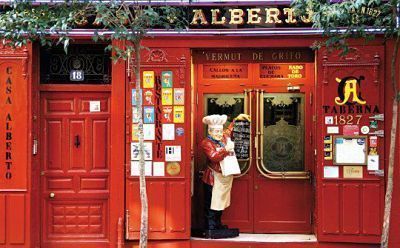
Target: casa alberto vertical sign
14, 122
8, 88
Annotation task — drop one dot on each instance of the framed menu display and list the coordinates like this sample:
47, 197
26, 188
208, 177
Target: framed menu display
241, 137
350, 150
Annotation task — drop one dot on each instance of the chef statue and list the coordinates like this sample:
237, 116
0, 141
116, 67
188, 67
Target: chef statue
217, 188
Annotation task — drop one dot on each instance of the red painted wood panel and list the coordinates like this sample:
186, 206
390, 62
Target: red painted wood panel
372, 209
268, 214
133, 210
241, 215
94, 184
16, 218
14, 119
176, 220
100, 142
60, 183
351, 208
57, 106
54, 140
156, 193
3, 219
77, 139
330, 208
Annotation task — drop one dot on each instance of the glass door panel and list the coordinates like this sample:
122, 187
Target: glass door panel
280, 131
231, 105
283, 129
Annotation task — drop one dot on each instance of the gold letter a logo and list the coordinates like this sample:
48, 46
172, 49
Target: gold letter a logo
348, 88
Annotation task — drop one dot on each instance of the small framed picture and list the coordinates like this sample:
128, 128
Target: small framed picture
327, 147
328, 139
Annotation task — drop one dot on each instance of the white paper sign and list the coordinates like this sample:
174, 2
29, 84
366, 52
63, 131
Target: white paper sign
149, 131
158, 169
350, 151
331, 172
135, 168
168, 131
333, 130
373, 162
148, 151
328, 120
94, 106
173, 153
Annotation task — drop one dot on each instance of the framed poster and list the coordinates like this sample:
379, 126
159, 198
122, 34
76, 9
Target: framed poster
350, 150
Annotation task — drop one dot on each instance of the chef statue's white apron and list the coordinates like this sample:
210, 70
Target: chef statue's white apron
221, 192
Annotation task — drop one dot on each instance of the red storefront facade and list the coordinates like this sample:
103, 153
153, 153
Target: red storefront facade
69, 176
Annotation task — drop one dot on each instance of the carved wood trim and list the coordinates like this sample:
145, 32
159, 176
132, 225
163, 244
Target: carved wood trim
182, 67
180, 64
22, 54
350, 62
157, 55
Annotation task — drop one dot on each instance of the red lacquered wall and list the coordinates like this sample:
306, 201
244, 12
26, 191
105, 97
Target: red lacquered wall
347, 210
350, 207
15, 146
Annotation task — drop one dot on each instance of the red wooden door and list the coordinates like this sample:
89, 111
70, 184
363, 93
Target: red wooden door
274, 193
283, 160
75, 168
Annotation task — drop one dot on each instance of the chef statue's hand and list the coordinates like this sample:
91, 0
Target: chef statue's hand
230, 146
243, 117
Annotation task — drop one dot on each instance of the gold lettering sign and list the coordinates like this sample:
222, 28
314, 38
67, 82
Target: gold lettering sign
272, 55
253, 17
348, 88
199, 16
226, 71
238, 16
215, 13
282, 71
352, 172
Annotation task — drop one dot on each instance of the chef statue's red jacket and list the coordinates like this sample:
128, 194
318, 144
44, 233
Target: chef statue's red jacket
214, 155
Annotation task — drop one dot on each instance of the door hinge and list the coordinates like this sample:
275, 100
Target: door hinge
314, 118
197, 99
311, 98
127, 224
35, 147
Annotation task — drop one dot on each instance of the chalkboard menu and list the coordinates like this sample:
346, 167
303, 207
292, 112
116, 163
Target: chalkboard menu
241, 137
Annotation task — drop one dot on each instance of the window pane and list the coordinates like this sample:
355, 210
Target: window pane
83, 64
283, 141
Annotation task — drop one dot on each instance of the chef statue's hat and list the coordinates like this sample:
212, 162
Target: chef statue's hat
215, 121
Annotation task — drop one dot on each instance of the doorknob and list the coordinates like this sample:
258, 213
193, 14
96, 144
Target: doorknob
52, 195
255, 187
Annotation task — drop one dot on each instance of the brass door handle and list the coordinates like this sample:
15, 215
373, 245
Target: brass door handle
52, 195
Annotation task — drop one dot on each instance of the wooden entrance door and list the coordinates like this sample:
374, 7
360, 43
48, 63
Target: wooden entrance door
274, 192
75, 165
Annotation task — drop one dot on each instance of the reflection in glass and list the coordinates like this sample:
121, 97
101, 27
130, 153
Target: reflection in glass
225, 104
283, 126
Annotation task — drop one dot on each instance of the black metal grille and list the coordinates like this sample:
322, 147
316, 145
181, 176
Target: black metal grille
92, 59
